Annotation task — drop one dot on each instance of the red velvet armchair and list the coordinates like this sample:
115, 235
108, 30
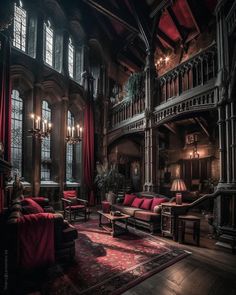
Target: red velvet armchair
73, 205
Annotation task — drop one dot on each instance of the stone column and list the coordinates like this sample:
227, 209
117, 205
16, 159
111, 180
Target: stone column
150, 141
233, 144
65, 53
222, 148
150, 160
59, 119
36, 153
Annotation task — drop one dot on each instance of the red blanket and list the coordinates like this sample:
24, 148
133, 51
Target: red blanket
36, 240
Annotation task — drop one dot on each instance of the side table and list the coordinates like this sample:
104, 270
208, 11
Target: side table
169, 218
195, 222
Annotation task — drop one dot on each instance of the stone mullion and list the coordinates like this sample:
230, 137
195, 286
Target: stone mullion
233, 143
60, 111
65, 53
36, 153
222, 143
228, 143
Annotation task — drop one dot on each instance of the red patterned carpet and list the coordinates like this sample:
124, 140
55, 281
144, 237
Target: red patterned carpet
107, 265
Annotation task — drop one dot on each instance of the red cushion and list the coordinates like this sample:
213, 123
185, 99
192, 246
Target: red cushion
137, 202
69, 194
128, 199
146, 205
42, 201
157, 201
29, 206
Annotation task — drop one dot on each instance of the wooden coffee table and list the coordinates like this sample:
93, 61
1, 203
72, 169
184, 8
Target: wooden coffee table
111, 225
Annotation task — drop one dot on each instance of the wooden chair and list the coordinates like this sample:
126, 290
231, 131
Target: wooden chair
73, 205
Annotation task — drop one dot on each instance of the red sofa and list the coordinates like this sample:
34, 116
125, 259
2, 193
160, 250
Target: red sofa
64, 236
141, 215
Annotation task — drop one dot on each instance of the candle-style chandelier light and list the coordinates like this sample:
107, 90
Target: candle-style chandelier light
40, 128
74, 135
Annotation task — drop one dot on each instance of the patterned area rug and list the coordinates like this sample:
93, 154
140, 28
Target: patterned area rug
107, 265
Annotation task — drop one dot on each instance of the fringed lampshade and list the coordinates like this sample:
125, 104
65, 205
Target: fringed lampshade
178, 186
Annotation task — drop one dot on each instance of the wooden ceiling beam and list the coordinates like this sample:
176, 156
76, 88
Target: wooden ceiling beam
112, 14
142, 21
167, 39
204, 128
128, 64
138, 55
183, 35
160, 45
159, 7
171, 127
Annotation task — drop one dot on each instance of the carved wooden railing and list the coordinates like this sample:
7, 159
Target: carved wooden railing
188, 87
206, 99
231, 19
125, 110
195, 72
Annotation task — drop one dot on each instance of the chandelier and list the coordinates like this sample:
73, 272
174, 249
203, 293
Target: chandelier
40, 128
74, 135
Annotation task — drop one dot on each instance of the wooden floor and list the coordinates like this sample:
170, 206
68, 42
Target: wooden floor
208, 270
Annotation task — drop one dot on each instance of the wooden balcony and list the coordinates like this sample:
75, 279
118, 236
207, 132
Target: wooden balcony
125, 111
197, 71
188, 87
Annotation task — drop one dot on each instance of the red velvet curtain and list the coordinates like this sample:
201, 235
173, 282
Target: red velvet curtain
88, 152
5, 105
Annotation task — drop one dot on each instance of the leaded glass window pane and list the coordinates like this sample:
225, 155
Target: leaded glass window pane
48, 46
69, 150
78, 64
16, 132
71, 59
46, 145
19, 27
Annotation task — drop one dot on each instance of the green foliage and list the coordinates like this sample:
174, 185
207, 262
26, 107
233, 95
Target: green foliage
135, 85
108, 179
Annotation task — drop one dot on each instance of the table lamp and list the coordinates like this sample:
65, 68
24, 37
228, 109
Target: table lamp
178, 186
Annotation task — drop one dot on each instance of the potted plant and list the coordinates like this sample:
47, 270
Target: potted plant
108, 181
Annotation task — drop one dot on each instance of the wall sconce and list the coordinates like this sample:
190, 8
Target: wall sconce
161, 62
40, 128
194, 154
73, 136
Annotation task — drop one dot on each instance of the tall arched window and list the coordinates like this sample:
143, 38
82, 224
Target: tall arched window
46, 145
19, 27
48, 43
75, 63
69, 150
24, 30
71, 50
16, 132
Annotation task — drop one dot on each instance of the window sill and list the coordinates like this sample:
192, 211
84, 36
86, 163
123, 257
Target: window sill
72, 184
25, 184
49, 183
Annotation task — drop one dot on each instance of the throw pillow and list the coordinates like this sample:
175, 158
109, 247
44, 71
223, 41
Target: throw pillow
128, 199
157, 209
157, 201
29, 206
146, 205
137, 202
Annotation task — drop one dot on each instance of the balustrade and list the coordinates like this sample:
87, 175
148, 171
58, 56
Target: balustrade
197, 71
192, 73
126, 110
